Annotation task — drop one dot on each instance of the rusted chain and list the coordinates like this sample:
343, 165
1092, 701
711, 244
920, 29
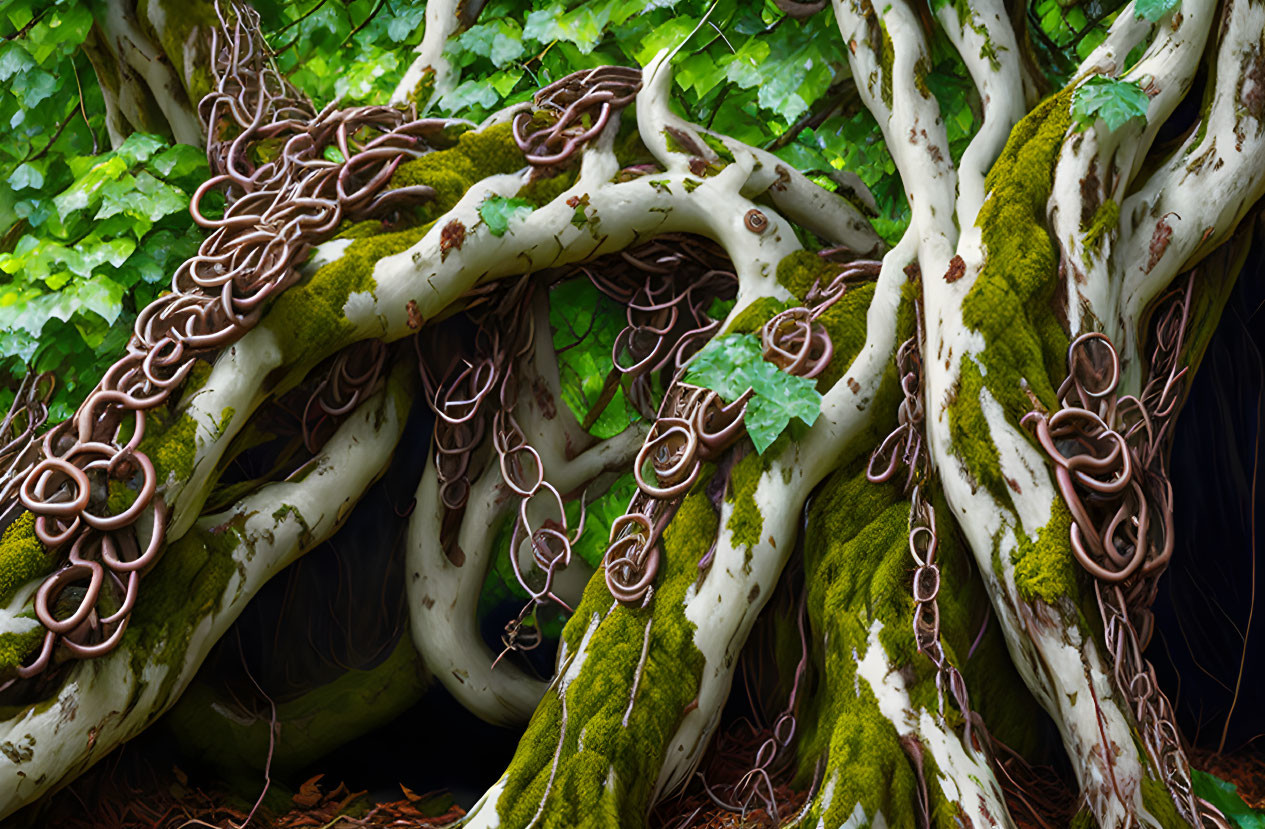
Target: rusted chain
903, 447
693, 424
269, 153
578, 107
1110, 463
478, 392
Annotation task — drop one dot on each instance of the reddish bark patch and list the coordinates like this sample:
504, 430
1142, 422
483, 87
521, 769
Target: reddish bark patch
415, 318
957, 269
1159, 242
451, 238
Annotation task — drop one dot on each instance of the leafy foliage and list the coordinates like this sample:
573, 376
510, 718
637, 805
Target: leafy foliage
86, 237
351, 50
732, 364
92, 255
1066, 32
1153, 10
1225, 797
497, 212
585, 323
1115, 102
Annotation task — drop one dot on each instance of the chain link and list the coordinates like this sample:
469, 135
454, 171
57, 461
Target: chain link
1110, 456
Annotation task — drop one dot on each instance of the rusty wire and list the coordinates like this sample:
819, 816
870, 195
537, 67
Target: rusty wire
904, 447
267, 150
693, 424
1110, 456
477, 392
19, 432
354, 375
571, 111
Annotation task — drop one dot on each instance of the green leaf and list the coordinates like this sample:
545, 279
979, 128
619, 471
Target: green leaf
497, 212
178, 160
1115, 102
26, 175
138, 147
1225, 796
1153, 10
734, 363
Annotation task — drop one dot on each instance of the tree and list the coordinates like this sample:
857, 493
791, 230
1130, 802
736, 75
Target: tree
720, 422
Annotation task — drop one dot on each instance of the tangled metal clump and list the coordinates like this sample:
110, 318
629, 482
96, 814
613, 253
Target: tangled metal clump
580, 106
481, 388
1110, 455
667, 286
20, 452
354, 375
694, 424
904, 447
269, 154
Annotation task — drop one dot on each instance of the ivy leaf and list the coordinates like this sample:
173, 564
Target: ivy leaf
139, 147
1153, 10
25, 176
1115, 102
497, 212
734, 363
178, 160
1225, 796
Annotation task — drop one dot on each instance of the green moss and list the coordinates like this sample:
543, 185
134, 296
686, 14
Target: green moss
308, 318
746, 522
1159, 803
451, 172
226, 417
22, 556
845, 320
1044, 568
970, 432
310, 726
886, 54
16, 648
752, 318
1104, 221
171, 445
119, 497
608, 782
198, 375
1010, 303
541, 191
185, 586
859, 572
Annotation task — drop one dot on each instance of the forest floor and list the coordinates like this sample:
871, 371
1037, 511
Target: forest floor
135, 789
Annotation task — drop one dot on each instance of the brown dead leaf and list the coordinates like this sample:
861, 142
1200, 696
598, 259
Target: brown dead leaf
309, 794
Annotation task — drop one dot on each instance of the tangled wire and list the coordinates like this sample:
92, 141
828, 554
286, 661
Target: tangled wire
279, 204
904, 447
1110, 455
572, 111
695, 425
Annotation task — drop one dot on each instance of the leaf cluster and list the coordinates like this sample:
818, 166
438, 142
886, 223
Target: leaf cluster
1116, 102
100, 237
733, 364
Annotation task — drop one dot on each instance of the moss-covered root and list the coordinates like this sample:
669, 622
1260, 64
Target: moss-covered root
873, 736
594, 747
188, 601
1001, 350
213, 728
